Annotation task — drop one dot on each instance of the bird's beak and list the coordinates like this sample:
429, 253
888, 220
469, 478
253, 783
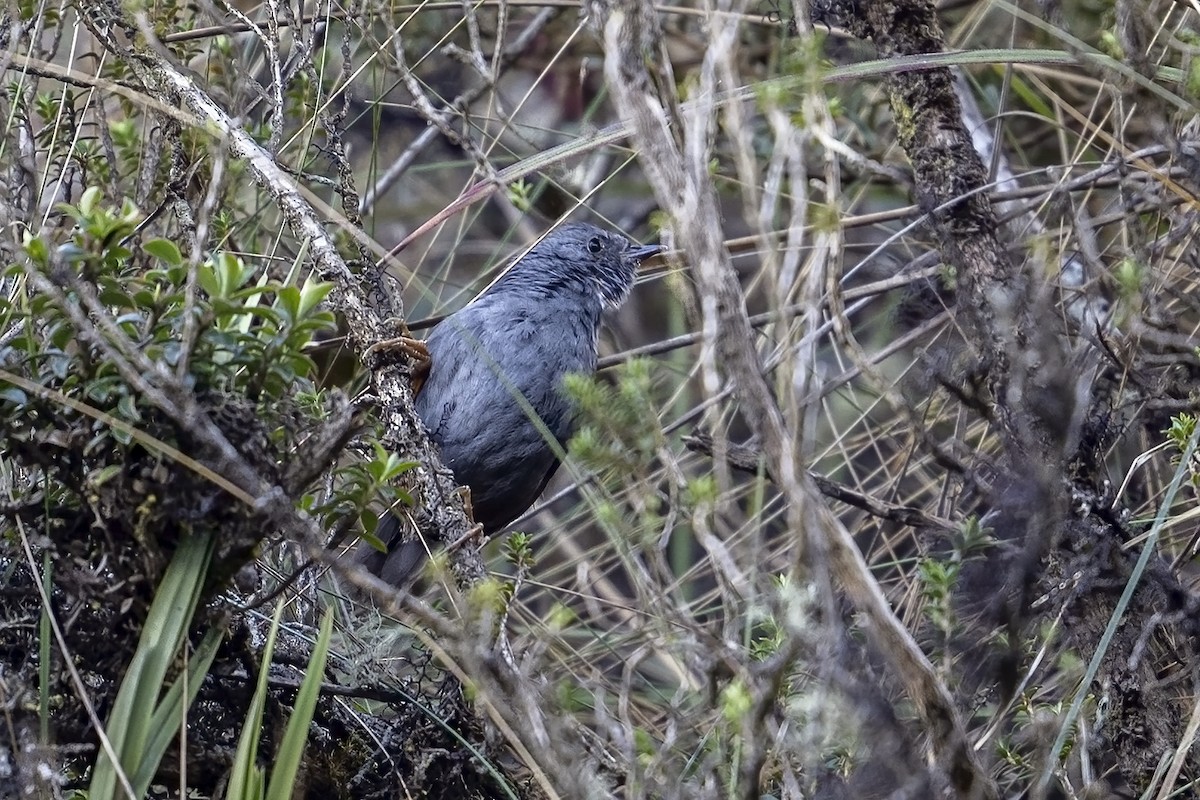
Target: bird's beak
641, 252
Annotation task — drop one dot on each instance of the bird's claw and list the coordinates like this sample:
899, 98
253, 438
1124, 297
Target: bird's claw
414, 348
476, 528
475, 531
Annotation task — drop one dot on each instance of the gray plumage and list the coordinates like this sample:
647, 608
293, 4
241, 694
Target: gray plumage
493, 400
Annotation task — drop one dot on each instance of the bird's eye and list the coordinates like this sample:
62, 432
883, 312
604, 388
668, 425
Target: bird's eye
595, 245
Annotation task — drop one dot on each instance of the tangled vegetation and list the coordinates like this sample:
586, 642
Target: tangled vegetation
886, 486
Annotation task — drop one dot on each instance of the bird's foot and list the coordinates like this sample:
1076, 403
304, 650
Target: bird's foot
411, 346
465, 493
476, 529
474, 532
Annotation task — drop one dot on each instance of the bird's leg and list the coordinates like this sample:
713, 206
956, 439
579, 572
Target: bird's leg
465, 493
475, 531
411, 346
476, 528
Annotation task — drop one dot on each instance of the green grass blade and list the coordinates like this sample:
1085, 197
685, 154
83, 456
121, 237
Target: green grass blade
168, 717
246, 779
130, 723
291, 749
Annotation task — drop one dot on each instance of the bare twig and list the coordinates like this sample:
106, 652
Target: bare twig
679, 175
749, 459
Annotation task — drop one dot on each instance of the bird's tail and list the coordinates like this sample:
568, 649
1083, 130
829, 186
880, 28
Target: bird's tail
404, 560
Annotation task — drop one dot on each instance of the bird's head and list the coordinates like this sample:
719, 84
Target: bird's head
583, 257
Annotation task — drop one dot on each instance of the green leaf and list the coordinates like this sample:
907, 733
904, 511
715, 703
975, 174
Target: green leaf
223, 275
373, 541
36, 247
288, 301
104, 474
127, 409
164, 250
311, 295
89, 203
396, 467
144, 298
13, 395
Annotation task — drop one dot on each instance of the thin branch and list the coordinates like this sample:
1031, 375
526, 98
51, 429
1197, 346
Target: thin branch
678, 172
749, 459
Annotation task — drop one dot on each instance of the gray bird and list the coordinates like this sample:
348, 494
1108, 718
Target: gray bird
494, 398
